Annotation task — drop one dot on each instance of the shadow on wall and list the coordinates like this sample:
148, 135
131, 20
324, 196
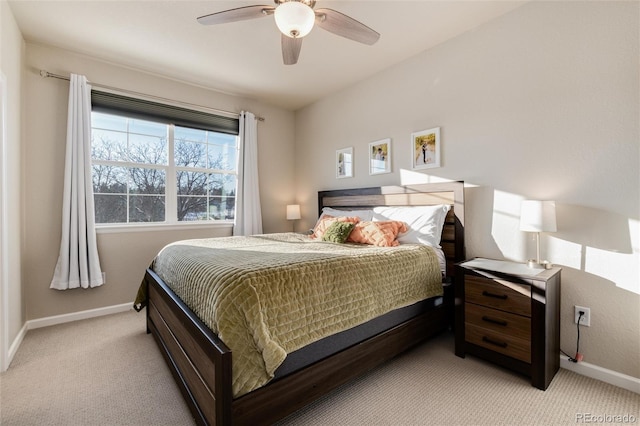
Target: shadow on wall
479, 206
598, 242
594, 228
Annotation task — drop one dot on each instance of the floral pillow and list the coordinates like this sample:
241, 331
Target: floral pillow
382, 233
338, 232
326, 221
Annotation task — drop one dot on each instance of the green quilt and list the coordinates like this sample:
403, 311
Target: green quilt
268, 295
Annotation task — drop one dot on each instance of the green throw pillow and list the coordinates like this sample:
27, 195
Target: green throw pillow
338, 232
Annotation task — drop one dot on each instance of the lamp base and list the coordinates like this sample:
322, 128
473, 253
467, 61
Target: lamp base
536, 264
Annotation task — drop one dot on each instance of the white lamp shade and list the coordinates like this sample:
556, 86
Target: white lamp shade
538, 216
294, 19
293, 212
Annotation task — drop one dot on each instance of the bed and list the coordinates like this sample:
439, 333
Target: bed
203, 365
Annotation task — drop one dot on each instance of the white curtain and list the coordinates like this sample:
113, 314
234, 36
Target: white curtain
248, 216
78, 264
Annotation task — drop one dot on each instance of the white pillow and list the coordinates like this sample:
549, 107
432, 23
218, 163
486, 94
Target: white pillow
364, 215
425, 222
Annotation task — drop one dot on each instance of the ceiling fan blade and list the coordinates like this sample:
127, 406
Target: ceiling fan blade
345, 26
290, 49
238, 14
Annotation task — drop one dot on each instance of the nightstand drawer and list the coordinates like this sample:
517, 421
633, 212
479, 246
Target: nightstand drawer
499, 342
499, 294
498, 321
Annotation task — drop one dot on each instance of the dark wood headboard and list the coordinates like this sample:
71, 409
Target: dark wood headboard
451, 193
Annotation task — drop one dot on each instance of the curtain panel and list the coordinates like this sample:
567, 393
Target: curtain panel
78, 264
248, 216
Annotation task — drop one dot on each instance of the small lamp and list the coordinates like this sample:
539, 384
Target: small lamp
293, 213
538, 216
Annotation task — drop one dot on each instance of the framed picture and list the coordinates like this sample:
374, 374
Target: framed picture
380, 157
425, 149
344, 163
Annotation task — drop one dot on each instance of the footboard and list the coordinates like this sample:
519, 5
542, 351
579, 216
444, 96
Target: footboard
199, 360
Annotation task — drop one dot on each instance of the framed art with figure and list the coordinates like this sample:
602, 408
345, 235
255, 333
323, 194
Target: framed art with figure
425, 149
344, 163
380, 157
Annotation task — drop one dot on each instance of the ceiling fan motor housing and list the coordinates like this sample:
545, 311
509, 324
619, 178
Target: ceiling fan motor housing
310, 3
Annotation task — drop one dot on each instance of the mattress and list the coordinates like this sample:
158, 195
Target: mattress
267, 296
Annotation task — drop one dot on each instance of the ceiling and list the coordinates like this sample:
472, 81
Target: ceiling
244, 58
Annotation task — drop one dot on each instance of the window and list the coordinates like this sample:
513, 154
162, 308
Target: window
151, 165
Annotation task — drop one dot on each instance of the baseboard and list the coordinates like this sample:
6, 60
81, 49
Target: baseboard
76, 316
15, 345
605, 375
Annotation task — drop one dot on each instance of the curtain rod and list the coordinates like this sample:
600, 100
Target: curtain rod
44, 73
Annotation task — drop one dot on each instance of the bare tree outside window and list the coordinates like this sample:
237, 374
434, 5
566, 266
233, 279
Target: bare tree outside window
203, 195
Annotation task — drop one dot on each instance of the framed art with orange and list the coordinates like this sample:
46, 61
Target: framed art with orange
425, 149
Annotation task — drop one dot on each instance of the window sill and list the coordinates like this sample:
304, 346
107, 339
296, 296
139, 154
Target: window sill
159, 227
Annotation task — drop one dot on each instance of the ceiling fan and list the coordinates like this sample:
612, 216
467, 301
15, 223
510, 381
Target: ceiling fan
295, 19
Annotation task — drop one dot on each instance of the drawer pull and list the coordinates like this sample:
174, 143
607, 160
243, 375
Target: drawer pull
495, 296
494, 342
494, 321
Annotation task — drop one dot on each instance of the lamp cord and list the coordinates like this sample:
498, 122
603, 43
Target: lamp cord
577, 341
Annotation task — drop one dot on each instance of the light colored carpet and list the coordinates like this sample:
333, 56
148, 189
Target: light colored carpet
108, 371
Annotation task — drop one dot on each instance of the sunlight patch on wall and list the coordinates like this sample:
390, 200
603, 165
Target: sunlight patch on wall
565, 253
409, 177
619, 268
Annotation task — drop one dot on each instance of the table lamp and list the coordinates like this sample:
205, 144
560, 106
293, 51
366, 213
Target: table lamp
293, 213
538, 216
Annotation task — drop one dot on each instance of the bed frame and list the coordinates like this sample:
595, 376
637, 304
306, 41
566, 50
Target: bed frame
201, 362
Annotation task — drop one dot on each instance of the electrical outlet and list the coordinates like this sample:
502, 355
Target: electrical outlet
586, 318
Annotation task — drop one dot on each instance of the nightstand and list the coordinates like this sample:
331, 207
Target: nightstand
509, 314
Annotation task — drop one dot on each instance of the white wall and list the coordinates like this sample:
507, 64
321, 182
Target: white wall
11, 57
123, 256
542, 103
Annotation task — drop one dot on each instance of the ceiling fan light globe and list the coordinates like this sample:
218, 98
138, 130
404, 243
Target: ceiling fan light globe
294, 19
